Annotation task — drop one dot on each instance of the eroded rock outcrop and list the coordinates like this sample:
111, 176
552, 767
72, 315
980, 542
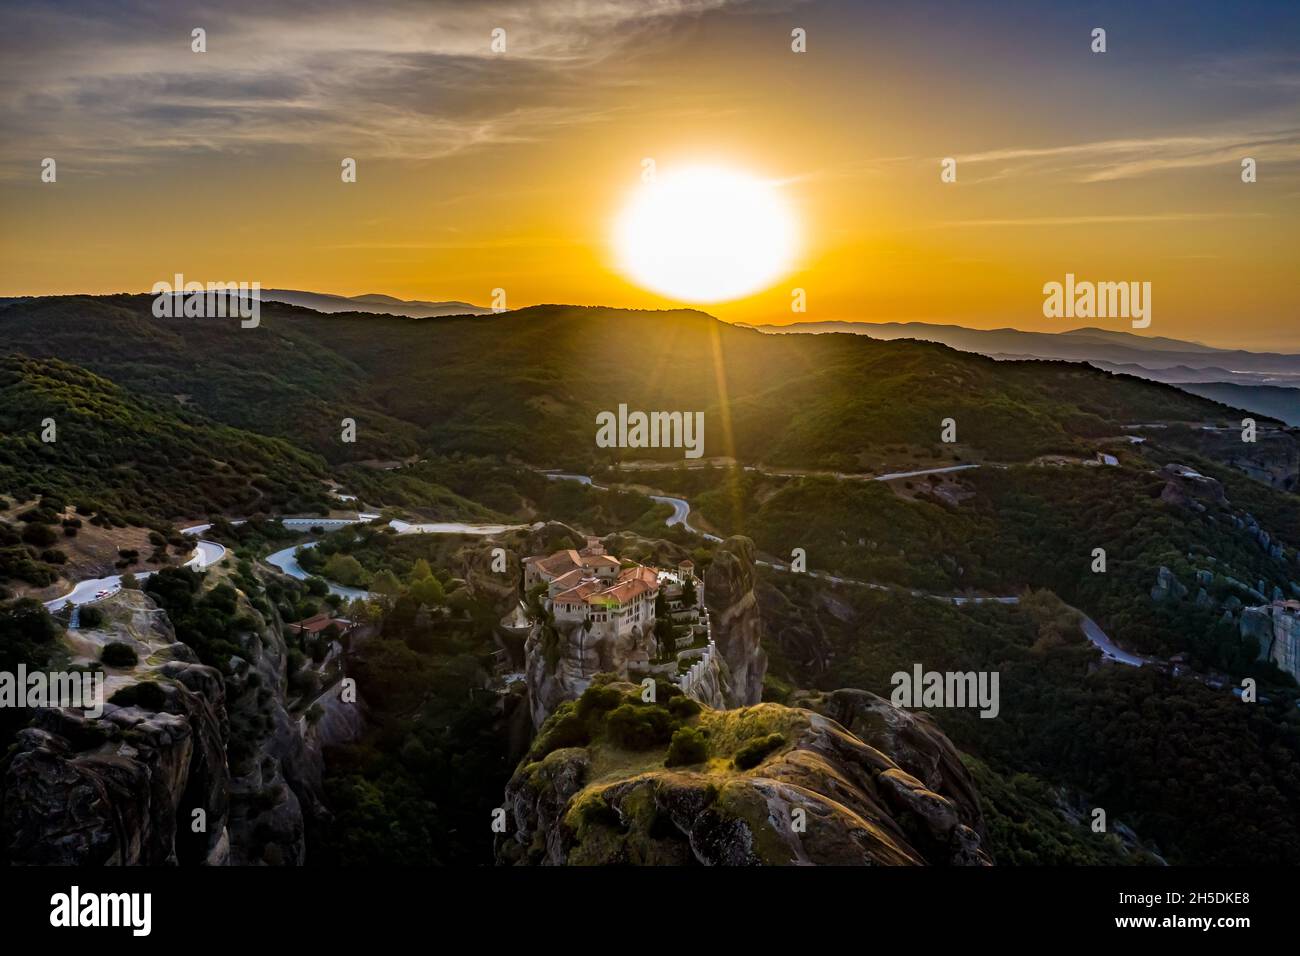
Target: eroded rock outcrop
708, 680
1276, 630
761, 785
275, 780
1167, 586
175, 737
1187, 488
126, 787
559, 666
912, 739
736, 622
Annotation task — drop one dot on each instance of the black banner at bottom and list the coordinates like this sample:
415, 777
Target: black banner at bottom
337, 906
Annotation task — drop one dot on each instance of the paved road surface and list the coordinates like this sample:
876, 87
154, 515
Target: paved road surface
682, 509
206, 553
287, 561
209, 552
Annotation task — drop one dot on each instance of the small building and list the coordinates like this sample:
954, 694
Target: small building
591, 559
311, 626
595, 598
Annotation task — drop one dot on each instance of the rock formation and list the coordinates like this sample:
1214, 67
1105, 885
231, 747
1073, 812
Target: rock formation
275, 782
709, 680
1276, 630
1167, 586
761, 785
561, 660
735, 619
175, 737
123, 788
1187, 488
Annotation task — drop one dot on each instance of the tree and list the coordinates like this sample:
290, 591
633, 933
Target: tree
428, 591
345, 569
41, 535
386, 584
419, 571
689, 596
117, 654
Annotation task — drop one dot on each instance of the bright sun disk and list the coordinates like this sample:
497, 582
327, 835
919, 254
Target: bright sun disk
705, 234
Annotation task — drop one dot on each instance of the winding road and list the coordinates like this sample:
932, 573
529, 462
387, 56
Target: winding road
286, 560
207, 553
681, 513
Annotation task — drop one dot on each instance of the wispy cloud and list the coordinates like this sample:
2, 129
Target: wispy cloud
108, 85
1106, 160
1102, 220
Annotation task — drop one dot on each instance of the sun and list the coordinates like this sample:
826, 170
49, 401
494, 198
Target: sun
705, 234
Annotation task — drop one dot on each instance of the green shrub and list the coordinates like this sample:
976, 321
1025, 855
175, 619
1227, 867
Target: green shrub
683, 707
117, 654
564, 728
146, 694
599, 699
41, 515
91, 617
757, 750
41, 535
688, 746
639, 727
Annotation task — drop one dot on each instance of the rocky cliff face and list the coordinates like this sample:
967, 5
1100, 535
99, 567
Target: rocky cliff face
913, 740
558, 666
1186, 488
275, 781
761, 785
1276, 630
735, 619
708, 680
123, 788
175, 737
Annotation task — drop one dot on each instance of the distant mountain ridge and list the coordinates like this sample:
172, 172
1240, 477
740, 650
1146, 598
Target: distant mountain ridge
506, 384
371, 302
1264, 382
1083, 343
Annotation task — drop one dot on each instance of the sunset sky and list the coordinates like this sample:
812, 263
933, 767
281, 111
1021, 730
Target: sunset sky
479, 170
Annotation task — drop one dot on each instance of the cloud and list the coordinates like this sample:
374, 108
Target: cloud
1107, 160
1101, 220
109, 84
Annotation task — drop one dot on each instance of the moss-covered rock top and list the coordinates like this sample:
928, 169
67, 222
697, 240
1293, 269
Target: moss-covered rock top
613, 778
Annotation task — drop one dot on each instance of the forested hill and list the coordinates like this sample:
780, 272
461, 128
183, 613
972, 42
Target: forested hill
73, 435
529, 383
